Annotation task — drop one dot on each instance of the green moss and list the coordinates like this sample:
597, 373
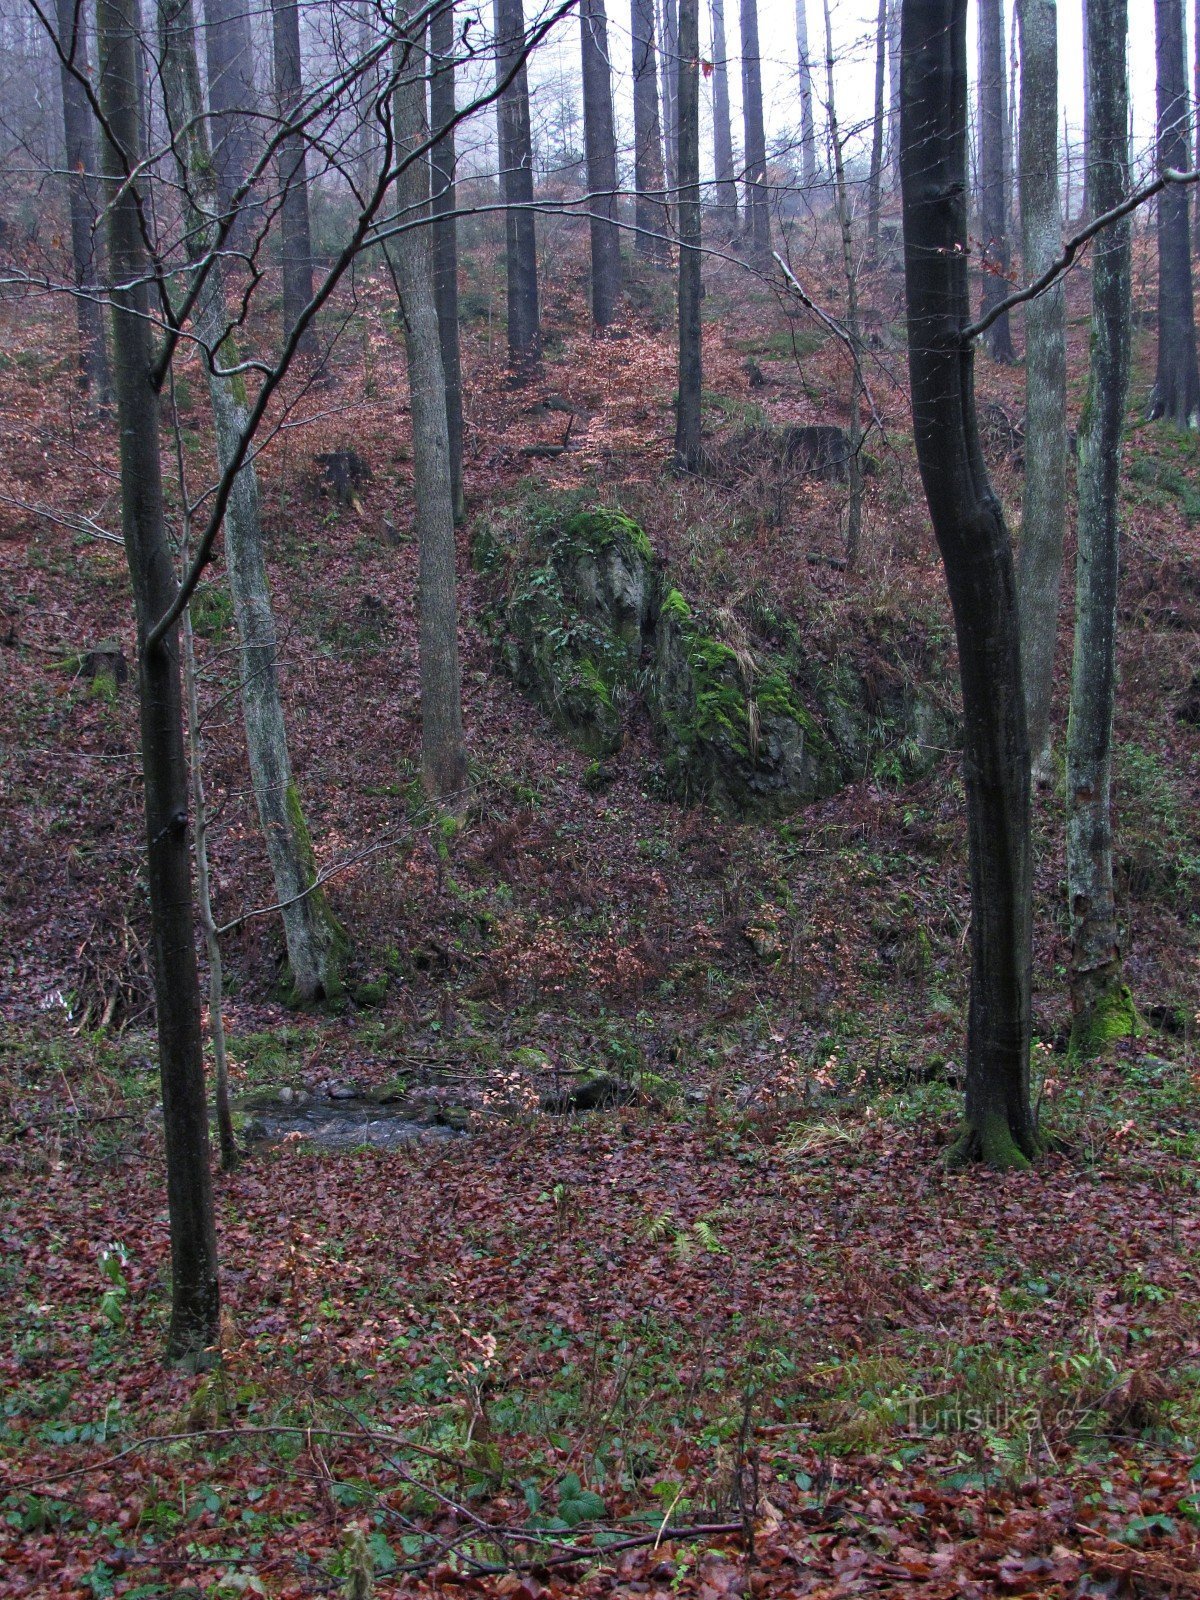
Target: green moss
335, 938
991, 1143
1113, 1016
675, 608
603, 527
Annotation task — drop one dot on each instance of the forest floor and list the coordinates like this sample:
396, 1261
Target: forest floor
742, 1335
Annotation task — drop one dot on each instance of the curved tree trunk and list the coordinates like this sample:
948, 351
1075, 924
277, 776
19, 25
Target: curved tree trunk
316, 944
443, 753
650, 216
516, 183
80, 150
687, 417
600, 142
444, 199
727, 204
195, 1291
808, 138
1040, 567
292, 160
1100, 1003
993, 176
758, 211
1177, 384
977, 555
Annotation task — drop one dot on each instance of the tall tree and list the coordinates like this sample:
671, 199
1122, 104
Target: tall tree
669, 52
231, 96
1177, 382
516, 168
808, 138
1040, 565
1000, 1125
727, 204
993, 175
850, 277
1100, 1003
600, 146
443, 753
296, 233
648, 181
315, 941
758, 212
82, 197
893, 49
688, 450
195, 1292
443, 160
875, 180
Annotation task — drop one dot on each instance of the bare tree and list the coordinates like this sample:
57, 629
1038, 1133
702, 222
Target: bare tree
808, 138
296, 240
875, 181
850, 278
993, 175
688, 449
758, 212
648, 179
669, 55
231, 93
1177, 382
727, 203
516, 179
80, 151
444, 199
600, 144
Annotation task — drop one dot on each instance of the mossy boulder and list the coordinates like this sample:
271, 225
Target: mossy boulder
733, 729
576, 621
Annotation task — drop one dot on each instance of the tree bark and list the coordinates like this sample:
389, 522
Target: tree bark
649, 185
850, 275
1176, 395
443, 162
893, 138
1040, 566
516, 166
316, 944
443, 752
231, 95
758, 211
977, 555
296, 234
993, 177
1100, 1003
808, 138
875, 181
688, 451
669, 54
600, 144
195, 1292
727, 204
82, 197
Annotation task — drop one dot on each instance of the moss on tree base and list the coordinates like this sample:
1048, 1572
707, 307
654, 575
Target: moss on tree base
993, 1144
1100, 1021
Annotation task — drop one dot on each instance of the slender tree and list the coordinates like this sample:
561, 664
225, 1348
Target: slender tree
315, 941
1196, 104
1177, 383
893, 50
967, 519
231, 94
850, 276
1040, 565
195, 1293
1087, 114
669, 54
600, 145
82, 197
516, 168
758, 212
443, 159
875, 181
727, 204
296, 233
443, 752
808, 138
1100, 1003
688, 450
650, 215
993, 176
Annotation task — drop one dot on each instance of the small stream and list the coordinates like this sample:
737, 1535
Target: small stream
341, 1124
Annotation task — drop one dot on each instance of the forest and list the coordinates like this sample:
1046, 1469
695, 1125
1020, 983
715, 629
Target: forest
599, 763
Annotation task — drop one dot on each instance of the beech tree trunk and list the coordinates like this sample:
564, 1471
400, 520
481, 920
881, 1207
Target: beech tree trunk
1100, 1003
758, 211
688, 450
993, 176
600, 144
727, 205
83, 200
669, 52
1040, 566
443, 163
808, 138
443, 752
516, 167
974, 543
231, 95
875, 181
893, 48
1176, 395
850, 276
316, 944
296, 236
649, 184
195, 1292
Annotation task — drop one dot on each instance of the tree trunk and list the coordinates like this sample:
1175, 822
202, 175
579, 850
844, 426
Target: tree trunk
368, 131
1087, 114
195, 1292
687, 416
727, 205
993, 178
82, 197
1177, 384
1100, 1003
648, 182
445, 233
600, 144
758, 212
516, 166
231, 96
293, 173
850, 274
893, 48
875, 183
1040, 565
808, 138
669, 54
1196, 105
977, 555
315, 941
443, 753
